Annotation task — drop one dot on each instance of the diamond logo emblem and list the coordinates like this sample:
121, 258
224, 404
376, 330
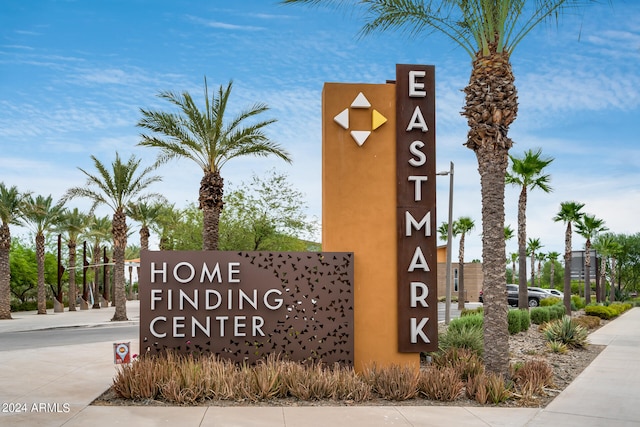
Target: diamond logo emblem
360, 102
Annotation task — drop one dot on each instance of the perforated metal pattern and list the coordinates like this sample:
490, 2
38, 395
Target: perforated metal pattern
314, 321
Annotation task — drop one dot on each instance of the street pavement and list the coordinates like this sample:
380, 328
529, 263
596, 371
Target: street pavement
55, 385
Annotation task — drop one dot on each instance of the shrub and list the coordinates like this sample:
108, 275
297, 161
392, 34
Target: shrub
440, 383
566, 331
540, 315
600, 311
471, 338
525, 320
589, 322
469, 321
513, 319
620, 307
557, 312
488, 387
393, 382
533, 376
577, 303
546, 302
472, 311
557, 347
466, 363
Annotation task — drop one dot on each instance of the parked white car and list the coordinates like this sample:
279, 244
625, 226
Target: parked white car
553, 292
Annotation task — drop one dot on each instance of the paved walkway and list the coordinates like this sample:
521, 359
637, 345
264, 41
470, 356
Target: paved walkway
57, 384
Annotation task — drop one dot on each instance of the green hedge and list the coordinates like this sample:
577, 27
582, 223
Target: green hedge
601, 311
540, 315
518, 321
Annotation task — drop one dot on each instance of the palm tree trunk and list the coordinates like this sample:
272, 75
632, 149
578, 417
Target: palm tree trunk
603, 274
491, 106
533, 271
119, 231
496, 336
96, 275
612, 288
567, 269
144, 238
42, 296
5, 273
461, 295
552, 276
587, 277
523, 295
210, 198
72, 275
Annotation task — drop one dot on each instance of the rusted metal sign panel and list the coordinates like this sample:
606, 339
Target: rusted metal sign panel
246, 305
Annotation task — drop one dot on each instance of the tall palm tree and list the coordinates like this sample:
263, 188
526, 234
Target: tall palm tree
10, 212
116, 188
608, 248
488, 31
533, 245
513, 257
72, 224
42, 216
553, 257
100, 233
527, 174
205, 137
461, 227
146, 214
169, 219
541, 257
569, 214
588, 227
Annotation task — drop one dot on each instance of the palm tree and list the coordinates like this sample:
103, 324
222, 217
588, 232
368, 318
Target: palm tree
527, 174
146, 214
42, 216
117, 188
569, 214
553, 257
461, 227
443, 231
508, 233
207, 139
608, 248
169, 219
588, 227
72, 224
99, 232
10, 212
532, 246
488, 31
513, 257
541, 256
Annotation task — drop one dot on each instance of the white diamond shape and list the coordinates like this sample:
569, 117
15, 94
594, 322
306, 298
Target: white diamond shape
343, 119
361, 101
360, 136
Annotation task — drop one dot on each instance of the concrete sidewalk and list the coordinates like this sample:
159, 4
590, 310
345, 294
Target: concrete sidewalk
54, 386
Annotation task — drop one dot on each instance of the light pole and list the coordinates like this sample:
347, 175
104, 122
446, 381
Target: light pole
447, 308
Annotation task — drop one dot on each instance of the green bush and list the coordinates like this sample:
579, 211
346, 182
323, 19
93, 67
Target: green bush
556, 312
525, 320
577, 303
471, 338
513, 319
540, 315
469, 321
601, 311
620, 307
566, 331
472, 311
546, 302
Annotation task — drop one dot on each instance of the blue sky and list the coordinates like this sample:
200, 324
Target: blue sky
74, 74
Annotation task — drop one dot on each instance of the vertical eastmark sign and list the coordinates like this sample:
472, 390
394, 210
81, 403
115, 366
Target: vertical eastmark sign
416, 208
